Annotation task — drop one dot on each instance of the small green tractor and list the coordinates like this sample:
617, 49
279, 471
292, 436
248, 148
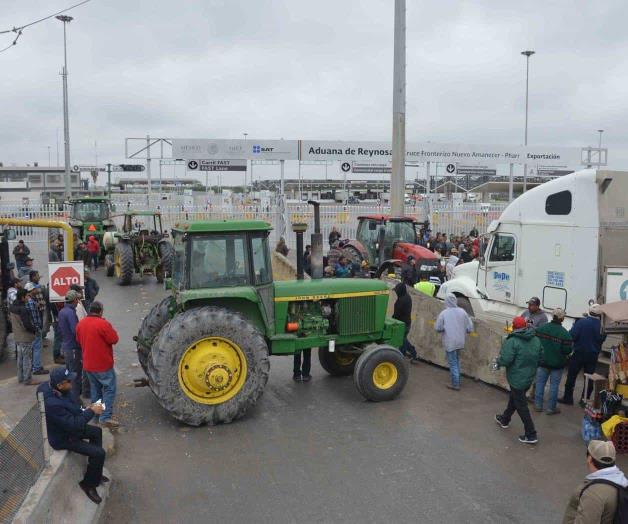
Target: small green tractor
205, 349
141, 247
92, 216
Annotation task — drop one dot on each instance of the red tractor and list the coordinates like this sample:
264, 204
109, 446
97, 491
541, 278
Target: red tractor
386, 242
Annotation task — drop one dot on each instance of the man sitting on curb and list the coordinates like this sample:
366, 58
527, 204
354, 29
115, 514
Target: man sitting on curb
68, 428
596, 499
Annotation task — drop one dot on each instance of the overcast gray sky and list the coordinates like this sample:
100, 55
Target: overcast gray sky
316, 70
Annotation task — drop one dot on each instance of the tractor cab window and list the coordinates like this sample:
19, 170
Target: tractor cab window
218, 261
261, 264
179, 261
87, 211
398, 232
367, 235
503, 248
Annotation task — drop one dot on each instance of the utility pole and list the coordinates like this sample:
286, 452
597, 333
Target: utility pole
527, 54
398, 175
66, 117
109, 181
148, 169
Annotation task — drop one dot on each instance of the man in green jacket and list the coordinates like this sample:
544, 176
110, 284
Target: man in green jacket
520, 356
556, 346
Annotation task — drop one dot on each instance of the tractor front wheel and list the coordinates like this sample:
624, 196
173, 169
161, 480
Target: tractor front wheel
208, 365
150, 328
110, 265
123, 263
381, 373
337, 364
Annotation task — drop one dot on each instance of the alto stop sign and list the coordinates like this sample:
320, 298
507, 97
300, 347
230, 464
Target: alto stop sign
62, 278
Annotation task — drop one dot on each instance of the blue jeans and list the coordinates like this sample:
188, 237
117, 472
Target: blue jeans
37, 352
453, 359
542, 374
74, 363
406, 347
103, 386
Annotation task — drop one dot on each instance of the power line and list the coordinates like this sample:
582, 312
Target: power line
18, 30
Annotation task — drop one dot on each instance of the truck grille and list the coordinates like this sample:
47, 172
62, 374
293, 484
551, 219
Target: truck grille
356, 316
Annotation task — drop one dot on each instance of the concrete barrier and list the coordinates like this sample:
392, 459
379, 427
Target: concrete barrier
283, 269
481, 347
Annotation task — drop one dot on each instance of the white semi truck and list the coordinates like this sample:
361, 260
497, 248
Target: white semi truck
565, 241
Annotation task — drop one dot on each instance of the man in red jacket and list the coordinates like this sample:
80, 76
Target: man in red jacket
96, 336
93, 248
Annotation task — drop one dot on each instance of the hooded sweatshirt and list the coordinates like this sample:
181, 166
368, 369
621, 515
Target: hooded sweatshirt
598, 503
403, 305
454, 323
451, 264
520, 355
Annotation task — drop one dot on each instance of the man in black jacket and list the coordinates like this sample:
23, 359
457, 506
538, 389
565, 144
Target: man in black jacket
68, 428
403, 312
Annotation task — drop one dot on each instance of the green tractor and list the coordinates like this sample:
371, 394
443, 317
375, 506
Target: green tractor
142, 247
92, 216
205, 349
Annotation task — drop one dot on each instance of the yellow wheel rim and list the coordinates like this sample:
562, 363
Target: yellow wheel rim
117, 262
385, 375
212, 370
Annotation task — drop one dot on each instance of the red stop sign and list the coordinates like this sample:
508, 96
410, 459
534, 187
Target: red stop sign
63, 278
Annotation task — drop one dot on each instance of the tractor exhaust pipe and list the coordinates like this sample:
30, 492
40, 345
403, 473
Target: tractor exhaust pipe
317, 242
299, 229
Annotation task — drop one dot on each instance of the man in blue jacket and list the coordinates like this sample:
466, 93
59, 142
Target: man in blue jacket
71, 350
587, 344
68, 428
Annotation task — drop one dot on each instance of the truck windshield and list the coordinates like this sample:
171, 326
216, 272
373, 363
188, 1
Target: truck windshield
86, 211
218, 261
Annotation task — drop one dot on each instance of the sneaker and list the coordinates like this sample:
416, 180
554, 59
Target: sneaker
565, 401
110, 423
306, 378
415, 360
524, 439
582, 404
455, 388
554, 411
41, 371
500, 422
297, 378
538, 409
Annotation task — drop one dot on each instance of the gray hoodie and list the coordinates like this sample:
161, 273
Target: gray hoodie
454, 323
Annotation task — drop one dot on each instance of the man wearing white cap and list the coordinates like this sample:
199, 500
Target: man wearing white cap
596, 500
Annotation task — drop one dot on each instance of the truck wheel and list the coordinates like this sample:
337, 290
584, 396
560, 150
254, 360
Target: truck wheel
381, 373
208, 365
156, 319
110, 265
166, 253
337, 364
123, 263
465, 303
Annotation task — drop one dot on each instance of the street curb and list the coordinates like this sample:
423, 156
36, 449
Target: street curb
56, 496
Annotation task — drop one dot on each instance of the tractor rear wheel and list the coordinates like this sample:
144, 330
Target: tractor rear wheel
123, 263
110, 265
166, 253
208, 365
353, 255
156, 319
381, 373
337, 364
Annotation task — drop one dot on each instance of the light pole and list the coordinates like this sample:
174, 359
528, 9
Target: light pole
599, 153
398, 175
527, 54
66, 118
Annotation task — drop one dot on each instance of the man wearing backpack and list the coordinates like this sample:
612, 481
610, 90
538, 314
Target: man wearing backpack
603, 497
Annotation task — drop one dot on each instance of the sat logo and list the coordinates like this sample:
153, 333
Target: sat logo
260, 149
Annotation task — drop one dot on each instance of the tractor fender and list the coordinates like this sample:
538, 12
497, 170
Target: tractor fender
403, 250
250, 309
459, 286
357, 245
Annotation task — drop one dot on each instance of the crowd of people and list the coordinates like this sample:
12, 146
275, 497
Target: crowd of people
83, 389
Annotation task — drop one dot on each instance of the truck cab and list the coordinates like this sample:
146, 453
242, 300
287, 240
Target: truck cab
557, 241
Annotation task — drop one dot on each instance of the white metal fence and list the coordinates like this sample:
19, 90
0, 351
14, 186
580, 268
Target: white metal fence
445, 217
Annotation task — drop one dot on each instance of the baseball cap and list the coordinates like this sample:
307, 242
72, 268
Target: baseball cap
519, 323
60, 374
601, 451
535, 300
71, 296
559, 313
29, 286
29, 258
594, 309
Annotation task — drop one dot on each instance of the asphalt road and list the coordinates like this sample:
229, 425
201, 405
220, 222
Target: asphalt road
316, 452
